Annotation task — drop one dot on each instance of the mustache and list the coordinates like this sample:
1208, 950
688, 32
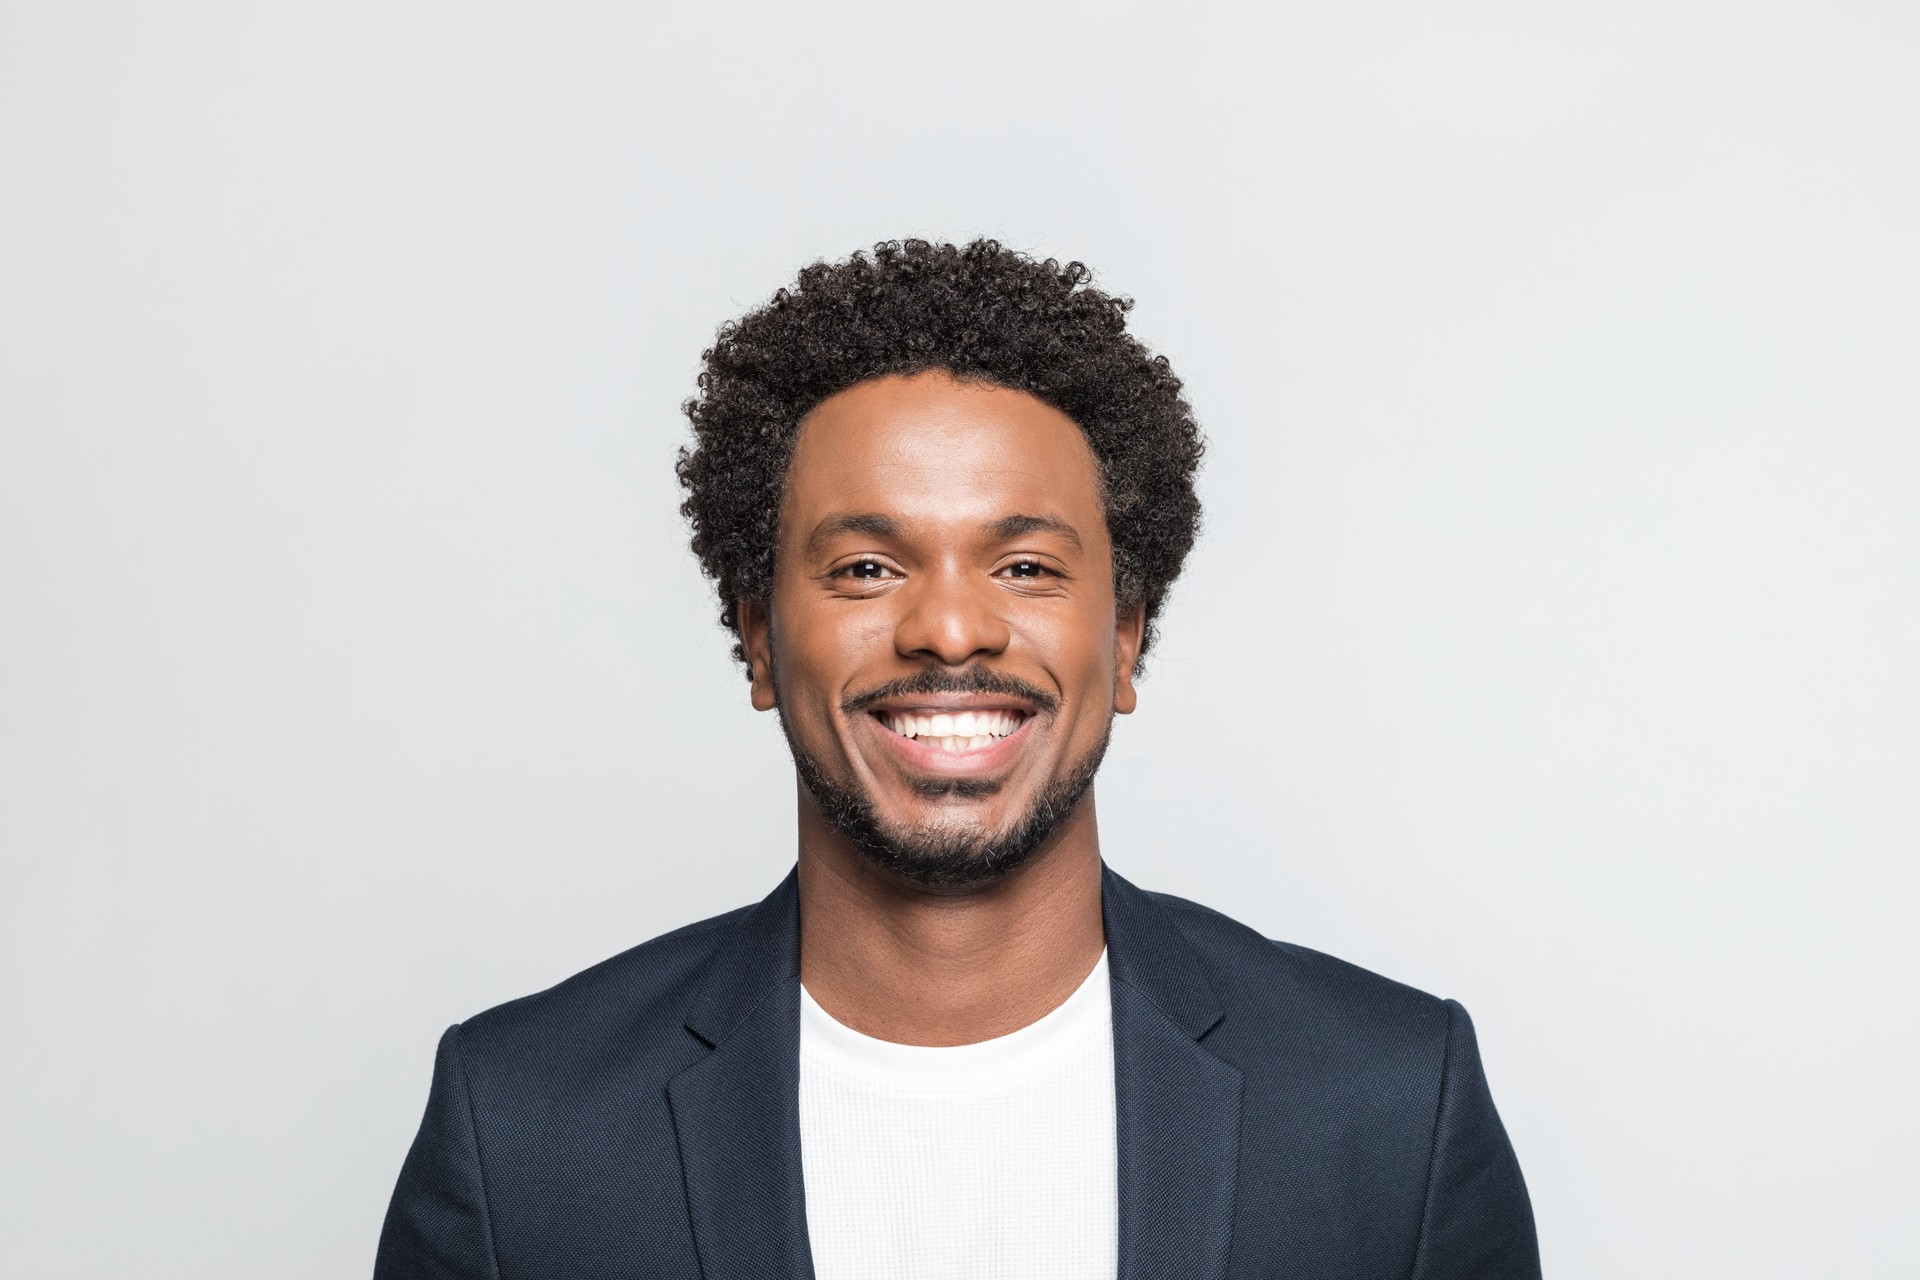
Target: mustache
936, 680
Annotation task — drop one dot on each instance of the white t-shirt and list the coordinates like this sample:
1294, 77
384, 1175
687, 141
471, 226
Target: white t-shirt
984, 1161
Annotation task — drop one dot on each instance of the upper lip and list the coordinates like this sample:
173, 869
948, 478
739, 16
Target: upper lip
933, 703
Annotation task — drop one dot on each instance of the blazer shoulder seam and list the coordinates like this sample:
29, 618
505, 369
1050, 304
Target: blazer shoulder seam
1433, 1143
479, 1159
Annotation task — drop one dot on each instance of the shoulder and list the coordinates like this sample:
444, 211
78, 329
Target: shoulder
1318, 1002
631, 1003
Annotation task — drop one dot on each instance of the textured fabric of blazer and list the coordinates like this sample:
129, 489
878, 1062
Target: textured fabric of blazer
1279, 1113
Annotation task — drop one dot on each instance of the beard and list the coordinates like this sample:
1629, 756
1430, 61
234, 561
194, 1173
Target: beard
942, 858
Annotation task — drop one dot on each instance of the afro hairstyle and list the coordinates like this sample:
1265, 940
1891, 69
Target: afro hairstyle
979, 312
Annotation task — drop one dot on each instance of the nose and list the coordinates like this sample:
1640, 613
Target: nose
951, 616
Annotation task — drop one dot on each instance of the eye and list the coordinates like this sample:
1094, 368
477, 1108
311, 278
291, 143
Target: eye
1027, 569
866, 569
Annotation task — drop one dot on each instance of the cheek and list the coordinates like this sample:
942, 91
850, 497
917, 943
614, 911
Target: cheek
1078, 647
824, 646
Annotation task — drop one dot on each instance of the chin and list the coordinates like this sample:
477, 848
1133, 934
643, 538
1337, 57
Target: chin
948, 856
956, 862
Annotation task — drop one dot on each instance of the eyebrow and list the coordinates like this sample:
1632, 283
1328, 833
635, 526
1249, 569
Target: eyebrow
872, 524
875, 525
1018, 526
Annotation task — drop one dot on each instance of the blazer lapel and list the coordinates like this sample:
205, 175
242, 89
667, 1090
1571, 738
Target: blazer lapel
736, 1112
1177, 1106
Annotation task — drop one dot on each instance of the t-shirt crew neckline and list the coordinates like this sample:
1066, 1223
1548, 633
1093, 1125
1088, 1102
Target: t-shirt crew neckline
961, 1068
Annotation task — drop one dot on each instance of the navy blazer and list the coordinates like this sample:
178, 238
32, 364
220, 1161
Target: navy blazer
1279, 1113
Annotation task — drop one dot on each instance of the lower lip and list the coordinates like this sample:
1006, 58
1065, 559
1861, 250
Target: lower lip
929, 759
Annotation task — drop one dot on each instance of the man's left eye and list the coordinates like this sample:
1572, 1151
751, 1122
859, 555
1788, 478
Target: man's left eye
1027, 569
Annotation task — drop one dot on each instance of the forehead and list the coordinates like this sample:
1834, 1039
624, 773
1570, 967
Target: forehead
929, 446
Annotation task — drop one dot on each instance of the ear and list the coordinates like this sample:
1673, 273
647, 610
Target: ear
1129, 632
756, 638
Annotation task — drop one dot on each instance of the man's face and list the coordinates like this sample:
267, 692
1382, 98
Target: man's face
942, 642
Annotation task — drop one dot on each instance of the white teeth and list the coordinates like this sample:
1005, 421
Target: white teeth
954, 731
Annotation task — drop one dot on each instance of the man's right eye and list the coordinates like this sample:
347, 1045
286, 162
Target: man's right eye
862, 569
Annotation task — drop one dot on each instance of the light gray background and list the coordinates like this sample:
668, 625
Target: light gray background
1550, 645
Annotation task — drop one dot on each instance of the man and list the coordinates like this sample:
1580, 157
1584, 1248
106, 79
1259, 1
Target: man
943, 494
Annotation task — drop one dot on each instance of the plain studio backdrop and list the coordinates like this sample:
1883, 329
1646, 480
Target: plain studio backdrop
1551, 643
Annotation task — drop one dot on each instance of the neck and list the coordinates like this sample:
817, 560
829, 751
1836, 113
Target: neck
899, 963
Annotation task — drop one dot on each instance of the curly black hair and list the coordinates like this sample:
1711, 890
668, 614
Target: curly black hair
979, 312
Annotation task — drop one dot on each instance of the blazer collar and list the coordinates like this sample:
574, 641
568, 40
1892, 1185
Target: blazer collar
1177, 1106
762, 951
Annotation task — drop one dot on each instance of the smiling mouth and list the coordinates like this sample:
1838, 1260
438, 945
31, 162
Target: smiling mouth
956, 732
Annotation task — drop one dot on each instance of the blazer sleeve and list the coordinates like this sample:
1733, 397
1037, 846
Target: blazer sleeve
438, 1226
1478, 1221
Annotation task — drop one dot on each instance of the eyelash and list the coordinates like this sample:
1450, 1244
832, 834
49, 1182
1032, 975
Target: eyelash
846, 570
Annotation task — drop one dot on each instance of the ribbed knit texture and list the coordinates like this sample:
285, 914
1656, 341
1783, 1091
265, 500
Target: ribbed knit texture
985, 1161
